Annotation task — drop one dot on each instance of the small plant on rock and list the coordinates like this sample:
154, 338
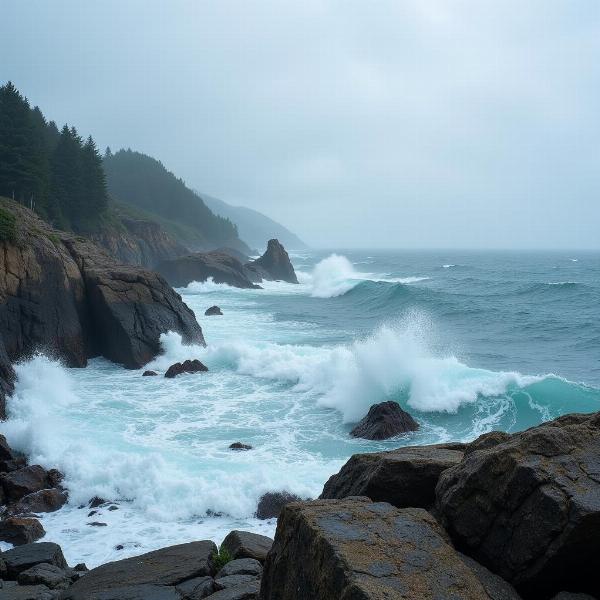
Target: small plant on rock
221, 558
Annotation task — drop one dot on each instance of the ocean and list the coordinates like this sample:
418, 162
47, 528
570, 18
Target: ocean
467, 342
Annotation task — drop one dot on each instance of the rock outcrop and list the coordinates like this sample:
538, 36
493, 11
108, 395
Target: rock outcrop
138, 242
273, 265
200, 266
61, 293
528, 506
271, 504
356, 549
20, 530
187, 366
243, 544
406, 477
383, 421
213, 311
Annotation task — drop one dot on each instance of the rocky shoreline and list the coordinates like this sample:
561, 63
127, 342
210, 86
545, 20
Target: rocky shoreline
505, 517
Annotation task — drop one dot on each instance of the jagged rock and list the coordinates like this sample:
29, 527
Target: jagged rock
149, 374
187, 366
7, 377
241, 566
24, 557
273, 265
357, 549
213, 311
49, 575
55, 477
96, 501
487, 440
24, 481
5, 450
165, 567
383, 421
199, 266
244, 544
197, 588
107, 309
8, 466
20, 530
405, 477
271, 504
42, 501
240, 446
529, 507
11, 590
246, 591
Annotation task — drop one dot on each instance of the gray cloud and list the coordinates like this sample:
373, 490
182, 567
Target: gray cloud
446, 123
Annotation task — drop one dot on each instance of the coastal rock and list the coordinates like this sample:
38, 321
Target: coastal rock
213, 311
20, 530
244, 544
240, 446
11, 590
241, 566
273, 265
107, 309
149, 374
529, 507
405, 477
6, 452
24, 481
197, 588
7, 377
199, 266
46, 574
187, 366
24, 557
271, 504
162, 568
245, 591
233, 581
42, 501
354, 548
383, 421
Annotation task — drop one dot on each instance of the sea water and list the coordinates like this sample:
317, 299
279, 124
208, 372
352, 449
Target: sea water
467, 342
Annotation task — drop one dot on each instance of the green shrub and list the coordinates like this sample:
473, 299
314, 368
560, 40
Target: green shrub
221, 558
8, 226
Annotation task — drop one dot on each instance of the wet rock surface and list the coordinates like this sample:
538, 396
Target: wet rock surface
240, 446
271, 504
20, 530
406, 477
187, 366
213, 311
383, 421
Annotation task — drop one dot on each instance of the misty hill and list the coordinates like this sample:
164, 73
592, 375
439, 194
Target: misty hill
254, 227
144, 183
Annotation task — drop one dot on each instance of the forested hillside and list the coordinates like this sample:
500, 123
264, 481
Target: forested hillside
143, 182
56, 172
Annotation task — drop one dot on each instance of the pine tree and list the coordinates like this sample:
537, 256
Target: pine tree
95, 199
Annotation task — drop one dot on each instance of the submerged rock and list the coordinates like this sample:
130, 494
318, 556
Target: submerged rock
213, 311
358, 549
149, 374
20, 530
271, 504
273, 265
244, 544
528, 507
383, 421
405, 477
187, 366
240, 446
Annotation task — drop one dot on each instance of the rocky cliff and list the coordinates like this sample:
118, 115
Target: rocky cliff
139, 242
61, 293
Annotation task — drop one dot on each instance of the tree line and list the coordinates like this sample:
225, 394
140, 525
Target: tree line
55, 172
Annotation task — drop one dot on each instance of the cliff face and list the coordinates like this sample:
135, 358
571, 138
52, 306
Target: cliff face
139, 242
61, 293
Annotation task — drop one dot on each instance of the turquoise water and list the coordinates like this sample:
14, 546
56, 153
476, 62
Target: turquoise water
467, 342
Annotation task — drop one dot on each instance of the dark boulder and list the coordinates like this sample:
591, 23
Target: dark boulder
241, 566
149, 374
11, 590
6, 452
383, 421
24, 481
273, 265
240, 446
356, 549
187, 366
244, 544
221, 267
233, 581
20, 530
245, 591
197, 588
55, 477
162, 568
271, 504
48, 500
7, 377
213, 311
487, 440
529, 507
96, 501
24, 557
46, 574
405, 477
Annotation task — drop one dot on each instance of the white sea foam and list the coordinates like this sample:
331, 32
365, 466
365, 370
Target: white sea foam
448, 266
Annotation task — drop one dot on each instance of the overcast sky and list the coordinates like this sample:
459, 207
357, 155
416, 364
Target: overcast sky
401, 123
